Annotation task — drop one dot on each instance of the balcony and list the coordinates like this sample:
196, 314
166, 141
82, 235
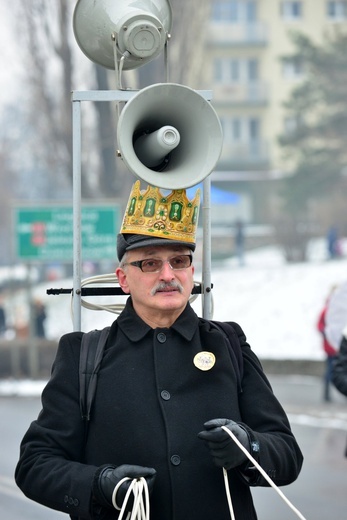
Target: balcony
250, 93
253, 152
236, 34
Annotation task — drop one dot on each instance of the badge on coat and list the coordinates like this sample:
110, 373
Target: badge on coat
204, 360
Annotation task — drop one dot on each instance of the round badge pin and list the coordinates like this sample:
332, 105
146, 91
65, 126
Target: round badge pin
204, 360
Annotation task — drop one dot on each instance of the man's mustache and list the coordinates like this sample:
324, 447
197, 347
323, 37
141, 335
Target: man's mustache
162, 286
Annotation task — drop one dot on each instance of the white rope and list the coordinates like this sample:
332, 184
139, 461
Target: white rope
139, 488
227, 490
260, 469
111, 279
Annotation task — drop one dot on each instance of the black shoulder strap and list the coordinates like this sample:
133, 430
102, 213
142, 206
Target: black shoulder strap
235, 348
92, 350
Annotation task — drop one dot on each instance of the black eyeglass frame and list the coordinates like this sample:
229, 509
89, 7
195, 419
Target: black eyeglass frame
138, 263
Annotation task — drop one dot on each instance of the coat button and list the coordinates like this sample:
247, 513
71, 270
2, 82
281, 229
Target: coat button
161, 337
175, 460
165, 395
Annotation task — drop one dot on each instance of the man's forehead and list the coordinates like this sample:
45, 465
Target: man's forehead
149, 251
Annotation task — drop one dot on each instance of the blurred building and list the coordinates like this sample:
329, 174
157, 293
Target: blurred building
246, 41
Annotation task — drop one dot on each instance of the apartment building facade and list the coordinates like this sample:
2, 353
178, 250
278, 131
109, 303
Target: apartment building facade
246, 43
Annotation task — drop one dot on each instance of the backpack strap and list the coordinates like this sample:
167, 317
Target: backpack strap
228, 330
92, 350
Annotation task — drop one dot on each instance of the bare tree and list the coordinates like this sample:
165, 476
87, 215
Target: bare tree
51, 72
49, 80
187, 46
8, 179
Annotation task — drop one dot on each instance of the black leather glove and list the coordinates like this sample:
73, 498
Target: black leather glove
225, 452
107, 477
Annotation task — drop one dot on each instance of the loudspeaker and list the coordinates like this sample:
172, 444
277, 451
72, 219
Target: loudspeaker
169, 136
140, 30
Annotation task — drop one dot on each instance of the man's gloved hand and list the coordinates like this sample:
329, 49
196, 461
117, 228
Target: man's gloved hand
107, 477
225, 452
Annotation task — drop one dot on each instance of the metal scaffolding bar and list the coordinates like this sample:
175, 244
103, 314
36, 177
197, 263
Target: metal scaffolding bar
122, 96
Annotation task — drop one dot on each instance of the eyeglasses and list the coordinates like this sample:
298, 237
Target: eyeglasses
155, 265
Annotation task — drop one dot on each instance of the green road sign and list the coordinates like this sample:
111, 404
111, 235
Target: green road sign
46, 233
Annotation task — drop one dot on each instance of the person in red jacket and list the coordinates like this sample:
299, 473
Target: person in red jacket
329, 350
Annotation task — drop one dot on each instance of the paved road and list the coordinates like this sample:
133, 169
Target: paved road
321, 430
319, 493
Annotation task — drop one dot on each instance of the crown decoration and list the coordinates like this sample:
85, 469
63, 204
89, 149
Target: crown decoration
151, 213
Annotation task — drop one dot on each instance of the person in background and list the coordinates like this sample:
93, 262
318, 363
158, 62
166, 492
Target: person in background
39, 318
240, 242
333, 243
329, 349
166, 387
3, 325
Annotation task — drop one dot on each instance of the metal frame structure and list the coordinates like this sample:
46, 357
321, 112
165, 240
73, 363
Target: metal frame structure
77, 98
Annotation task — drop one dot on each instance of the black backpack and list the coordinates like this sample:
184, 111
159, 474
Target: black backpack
92, 351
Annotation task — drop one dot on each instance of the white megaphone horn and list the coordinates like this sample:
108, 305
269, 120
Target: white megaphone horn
140, 29
169, 135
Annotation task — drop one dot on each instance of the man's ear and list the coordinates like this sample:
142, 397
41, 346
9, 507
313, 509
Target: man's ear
122, 280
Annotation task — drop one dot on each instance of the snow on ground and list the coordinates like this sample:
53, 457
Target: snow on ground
277, 305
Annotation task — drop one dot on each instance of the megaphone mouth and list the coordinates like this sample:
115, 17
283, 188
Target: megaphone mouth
154, 146
163, 165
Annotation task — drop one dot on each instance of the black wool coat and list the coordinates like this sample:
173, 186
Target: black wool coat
339, 371
151, 403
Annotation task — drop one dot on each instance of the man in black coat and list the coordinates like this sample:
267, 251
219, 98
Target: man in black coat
166, 387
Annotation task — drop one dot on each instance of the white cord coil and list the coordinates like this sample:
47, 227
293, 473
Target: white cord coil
140, 510
264, 474
111, 279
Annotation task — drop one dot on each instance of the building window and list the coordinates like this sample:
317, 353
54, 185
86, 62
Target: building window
291, 124
254, 129
252, 70
222, 70
337, 10
236, 129
229, 11
235, 70
251, 11
293, 68
291, 10
241, 129
217, 71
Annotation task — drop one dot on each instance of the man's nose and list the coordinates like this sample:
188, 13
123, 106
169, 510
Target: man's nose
166, 272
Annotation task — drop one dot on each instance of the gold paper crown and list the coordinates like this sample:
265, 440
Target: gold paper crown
151, 213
